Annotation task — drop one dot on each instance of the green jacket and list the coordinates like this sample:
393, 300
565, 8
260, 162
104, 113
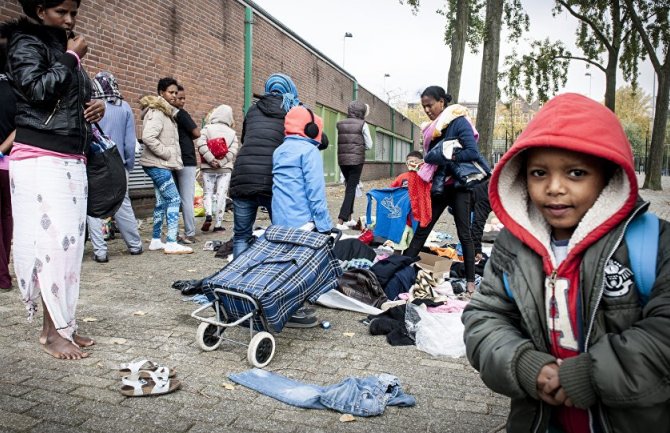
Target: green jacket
623, 376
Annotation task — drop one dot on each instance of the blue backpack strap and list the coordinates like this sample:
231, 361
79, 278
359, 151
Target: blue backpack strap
642, 242
506, 284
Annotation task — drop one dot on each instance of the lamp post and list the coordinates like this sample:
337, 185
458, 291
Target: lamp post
588, 74
385, 77
344, 45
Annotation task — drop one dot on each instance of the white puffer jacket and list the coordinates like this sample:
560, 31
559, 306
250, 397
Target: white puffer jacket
220, 124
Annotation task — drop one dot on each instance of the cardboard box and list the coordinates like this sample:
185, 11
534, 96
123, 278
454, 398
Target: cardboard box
438, 266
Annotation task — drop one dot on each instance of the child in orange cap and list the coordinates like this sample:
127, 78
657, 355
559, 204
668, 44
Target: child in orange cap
299, 188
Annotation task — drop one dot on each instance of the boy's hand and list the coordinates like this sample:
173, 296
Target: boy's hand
549, 386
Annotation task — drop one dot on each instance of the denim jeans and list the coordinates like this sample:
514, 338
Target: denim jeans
244, 217
185, 181
167, 202
367, 396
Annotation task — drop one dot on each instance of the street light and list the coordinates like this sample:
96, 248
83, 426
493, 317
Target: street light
385, 77
588, 74
344, 45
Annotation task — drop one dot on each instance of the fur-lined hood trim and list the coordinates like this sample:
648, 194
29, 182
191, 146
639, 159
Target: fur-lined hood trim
153, 102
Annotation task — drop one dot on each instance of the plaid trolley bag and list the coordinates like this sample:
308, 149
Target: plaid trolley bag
267, 284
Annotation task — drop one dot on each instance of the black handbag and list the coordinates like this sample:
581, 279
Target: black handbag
107, 181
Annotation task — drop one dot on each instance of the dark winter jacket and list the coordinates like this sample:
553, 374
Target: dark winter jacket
350, 142
50, 88
621, 357
262, 133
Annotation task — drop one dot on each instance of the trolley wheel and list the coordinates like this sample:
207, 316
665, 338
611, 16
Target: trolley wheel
209, 336
261, 349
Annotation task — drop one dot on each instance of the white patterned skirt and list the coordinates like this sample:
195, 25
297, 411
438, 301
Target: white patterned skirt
50, 194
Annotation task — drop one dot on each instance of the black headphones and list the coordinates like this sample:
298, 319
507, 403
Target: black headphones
311, 129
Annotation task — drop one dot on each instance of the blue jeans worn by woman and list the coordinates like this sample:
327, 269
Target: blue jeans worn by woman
366, 396
244, 216
167, 202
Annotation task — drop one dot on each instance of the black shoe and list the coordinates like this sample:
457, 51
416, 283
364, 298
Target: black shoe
137, 252
301, 320
101, 259
192, 289
306, 311
219, 229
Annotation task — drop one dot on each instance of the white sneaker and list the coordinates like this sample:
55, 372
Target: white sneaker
342, 227
351, 223
156, 244
175, 248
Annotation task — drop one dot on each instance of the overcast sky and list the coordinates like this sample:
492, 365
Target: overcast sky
389, 39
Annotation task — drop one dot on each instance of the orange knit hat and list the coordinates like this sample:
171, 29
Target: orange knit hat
297, 118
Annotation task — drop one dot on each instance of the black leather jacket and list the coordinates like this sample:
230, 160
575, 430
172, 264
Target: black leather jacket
50, 88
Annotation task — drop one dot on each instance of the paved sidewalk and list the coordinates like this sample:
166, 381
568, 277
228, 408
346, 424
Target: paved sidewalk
127, 305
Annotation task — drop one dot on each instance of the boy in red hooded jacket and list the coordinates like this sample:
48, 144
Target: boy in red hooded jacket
558, 324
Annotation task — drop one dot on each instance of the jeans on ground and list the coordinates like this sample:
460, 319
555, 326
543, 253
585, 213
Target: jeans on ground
459, 199
185, 180
6, 228
126, 223
244, 217
352, 177
167, 202
367, 396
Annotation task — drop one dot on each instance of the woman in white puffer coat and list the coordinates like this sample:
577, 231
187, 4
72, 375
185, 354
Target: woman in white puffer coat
216, 172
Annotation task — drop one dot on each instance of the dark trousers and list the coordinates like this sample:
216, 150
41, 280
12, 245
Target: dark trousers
352, 177
6, 227
460, 202
482, 209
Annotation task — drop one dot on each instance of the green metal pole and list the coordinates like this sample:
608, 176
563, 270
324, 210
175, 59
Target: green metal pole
248, 56
355, 95
392, 139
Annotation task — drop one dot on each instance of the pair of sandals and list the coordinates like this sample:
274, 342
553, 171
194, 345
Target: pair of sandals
144, 378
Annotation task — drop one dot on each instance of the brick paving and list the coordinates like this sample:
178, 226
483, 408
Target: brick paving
132, 312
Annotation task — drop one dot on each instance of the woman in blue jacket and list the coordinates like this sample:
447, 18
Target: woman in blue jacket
450, 123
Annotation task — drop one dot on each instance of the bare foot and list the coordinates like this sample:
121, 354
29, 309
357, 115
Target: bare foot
470, 287
43, 337
60, 348
83, 341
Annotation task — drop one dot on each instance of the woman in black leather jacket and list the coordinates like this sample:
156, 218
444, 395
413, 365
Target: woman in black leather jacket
47, 168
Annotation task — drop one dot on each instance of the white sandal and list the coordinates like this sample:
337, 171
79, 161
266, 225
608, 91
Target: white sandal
132, 369
146, 386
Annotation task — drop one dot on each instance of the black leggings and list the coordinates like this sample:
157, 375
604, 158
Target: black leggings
352, 176
460, 202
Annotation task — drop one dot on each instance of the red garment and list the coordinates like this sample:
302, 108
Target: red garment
419, 196
562, 123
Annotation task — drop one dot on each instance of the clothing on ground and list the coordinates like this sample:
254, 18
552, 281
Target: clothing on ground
366, 396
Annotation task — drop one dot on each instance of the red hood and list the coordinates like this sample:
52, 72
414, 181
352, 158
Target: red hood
577, 123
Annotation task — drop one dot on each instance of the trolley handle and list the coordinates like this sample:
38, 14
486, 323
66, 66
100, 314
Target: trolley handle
337, 233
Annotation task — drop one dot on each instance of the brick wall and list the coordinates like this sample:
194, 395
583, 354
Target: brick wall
201, 44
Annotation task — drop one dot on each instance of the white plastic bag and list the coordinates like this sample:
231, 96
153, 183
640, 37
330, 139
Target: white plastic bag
440, 334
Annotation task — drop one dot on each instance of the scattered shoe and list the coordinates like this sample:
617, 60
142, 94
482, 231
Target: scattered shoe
207, 224
351, 223
342, 227
302, 321
136, 252
134, 368
182, 284
152, 385
101, 259
306, 311
175, 248
156, 244
219, 229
